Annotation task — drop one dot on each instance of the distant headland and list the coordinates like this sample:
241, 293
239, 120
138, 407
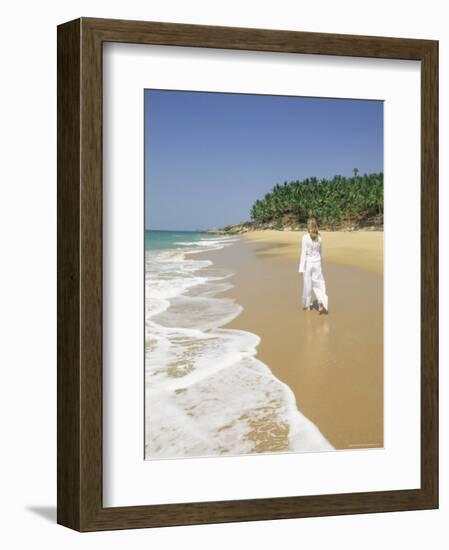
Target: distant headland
339, 204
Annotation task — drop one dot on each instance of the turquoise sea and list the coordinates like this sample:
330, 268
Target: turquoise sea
169, 240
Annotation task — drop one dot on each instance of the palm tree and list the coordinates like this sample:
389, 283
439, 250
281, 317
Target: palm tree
356, 199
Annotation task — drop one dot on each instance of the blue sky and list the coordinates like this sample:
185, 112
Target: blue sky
210, 156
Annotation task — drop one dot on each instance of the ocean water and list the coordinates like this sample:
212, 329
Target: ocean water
174, 240
206, 393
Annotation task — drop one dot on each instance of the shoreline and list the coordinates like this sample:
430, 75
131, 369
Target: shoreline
333, 364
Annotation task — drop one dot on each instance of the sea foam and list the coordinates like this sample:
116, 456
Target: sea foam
206, 393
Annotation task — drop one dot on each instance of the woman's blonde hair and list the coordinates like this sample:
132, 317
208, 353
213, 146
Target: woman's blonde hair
312, 228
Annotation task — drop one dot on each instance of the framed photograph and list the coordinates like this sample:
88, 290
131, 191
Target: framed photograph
247, 274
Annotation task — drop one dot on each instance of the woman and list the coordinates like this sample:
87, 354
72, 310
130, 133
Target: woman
310, 265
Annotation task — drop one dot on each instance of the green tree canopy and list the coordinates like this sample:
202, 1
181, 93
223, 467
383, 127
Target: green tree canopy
357, 199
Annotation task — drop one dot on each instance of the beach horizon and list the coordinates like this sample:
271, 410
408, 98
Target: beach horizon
233, 363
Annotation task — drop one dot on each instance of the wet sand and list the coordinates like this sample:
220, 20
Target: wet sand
333, 363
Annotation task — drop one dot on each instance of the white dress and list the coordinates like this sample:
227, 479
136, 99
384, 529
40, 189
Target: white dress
310, 265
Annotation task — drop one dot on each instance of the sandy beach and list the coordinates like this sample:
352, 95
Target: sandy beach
333, 363
360, 249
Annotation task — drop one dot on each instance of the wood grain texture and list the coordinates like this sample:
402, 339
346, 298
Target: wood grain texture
80, 274
68, 316
429, 271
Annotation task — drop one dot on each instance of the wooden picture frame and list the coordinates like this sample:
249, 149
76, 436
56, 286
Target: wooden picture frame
80, 351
